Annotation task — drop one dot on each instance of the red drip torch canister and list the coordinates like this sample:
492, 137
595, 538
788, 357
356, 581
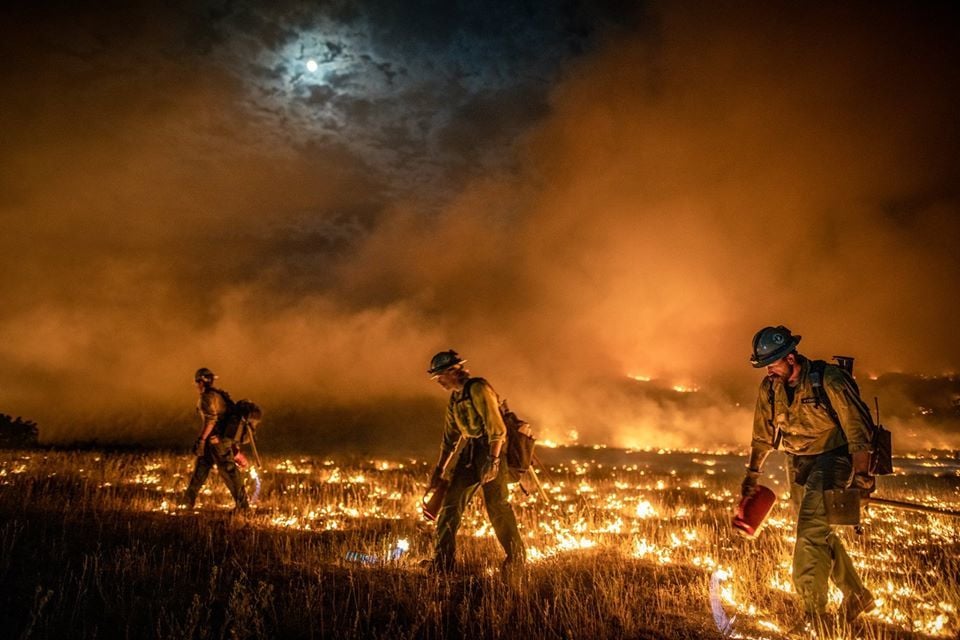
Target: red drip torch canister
752, 511
433, 500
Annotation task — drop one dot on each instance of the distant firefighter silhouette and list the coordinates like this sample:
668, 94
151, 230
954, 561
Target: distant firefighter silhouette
212, 446
475, 428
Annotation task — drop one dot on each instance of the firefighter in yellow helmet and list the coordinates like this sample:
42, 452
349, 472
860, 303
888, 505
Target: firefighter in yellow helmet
473, 417
212, 447
823, 453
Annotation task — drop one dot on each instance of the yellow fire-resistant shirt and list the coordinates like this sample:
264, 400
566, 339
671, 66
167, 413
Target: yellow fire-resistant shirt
211, 406
807, 428
474, 416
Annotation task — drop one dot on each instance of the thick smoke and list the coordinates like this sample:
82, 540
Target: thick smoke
722, 170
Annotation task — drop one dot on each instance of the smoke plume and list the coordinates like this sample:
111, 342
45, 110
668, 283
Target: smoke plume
685, 184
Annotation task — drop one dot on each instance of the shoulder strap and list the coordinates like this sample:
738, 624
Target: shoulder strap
466, 390
777, 434
817, 367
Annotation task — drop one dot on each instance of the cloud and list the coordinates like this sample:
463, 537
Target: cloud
393, 81
689, 189
677, 188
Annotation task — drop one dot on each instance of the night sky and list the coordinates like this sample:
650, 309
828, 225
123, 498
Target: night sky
313, 198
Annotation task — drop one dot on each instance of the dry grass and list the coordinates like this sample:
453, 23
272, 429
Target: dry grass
92, 545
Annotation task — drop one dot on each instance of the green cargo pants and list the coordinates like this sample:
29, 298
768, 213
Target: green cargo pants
819, 554
463, 486
221, 455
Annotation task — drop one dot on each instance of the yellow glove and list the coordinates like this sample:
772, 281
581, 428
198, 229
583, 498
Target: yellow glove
865, 483
490, 470
749, 484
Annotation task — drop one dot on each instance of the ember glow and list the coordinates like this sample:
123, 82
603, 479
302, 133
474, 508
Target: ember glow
671, 509
598, 203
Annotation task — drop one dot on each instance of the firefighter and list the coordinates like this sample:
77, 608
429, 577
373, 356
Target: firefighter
212, 447
822, 454
474, 426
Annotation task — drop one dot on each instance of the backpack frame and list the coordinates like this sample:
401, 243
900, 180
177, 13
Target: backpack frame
520, 443
239, 423
881, 441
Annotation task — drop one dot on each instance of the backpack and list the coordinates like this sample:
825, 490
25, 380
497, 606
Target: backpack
881, 456
520, 441
241, 419
248, 415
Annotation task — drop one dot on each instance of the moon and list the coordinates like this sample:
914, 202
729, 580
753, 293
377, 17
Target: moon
312, 66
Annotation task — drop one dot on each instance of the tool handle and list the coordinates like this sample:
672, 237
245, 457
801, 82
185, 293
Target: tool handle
911, 506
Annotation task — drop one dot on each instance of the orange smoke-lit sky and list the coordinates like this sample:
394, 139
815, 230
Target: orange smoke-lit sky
313, 200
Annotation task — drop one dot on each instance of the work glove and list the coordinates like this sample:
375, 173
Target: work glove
436, 478
490, 470
198, 447
241, 460
749, 484
864, 483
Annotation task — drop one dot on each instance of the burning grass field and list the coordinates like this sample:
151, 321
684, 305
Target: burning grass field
629, 545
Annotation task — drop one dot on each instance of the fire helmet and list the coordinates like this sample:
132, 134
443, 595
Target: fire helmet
443, 361
205, 375
772, 343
